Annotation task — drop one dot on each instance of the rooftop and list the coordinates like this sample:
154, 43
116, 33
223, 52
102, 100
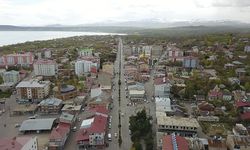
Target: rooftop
98, 125
163, 104
60, 131
33, 84
15, 143
158, 81
50, 102
162, 119
174, 142
45, 61
37, 124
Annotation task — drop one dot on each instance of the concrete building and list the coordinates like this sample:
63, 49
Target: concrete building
174, 142
22, 59
85, 66
19, 143
175, 54
50, 106
95, 91
238, 142
186, 127
247, 49
45, 67
11, 77
92, 133
136, 95
190, 62
163, 105
59, 136
47, 53
162, 87
33, 89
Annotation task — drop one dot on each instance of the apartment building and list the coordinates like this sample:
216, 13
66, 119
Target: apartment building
33, 89
22, 59
45, 67
11, 77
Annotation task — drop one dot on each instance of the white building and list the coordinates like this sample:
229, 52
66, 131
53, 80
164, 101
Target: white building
95, 91
84, 66
47, 53
11, 77
163, 105
19, 143
45, 67
162, 87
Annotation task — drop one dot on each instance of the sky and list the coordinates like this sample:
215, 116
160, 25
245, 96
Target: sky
75, 12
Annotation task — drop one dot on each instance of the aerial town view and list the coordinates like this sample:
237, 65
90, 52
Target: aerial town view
68, 82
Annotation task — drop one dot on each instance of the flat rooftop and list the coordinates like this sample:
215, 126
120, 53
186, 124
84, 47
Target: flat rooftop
176, 121
37, 124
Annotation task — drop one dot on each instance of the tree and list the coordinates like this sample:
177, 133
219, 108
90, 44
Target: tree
1, 80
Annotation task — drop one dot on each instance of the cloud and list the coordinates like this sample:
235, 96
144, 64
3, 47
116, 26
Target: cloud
42, 12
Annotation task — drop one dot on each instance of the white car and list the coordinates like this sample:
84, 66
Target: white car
116, 135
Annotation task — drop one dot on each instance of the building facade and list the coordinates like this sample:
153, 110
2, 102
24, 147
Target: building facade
50, 106
187, 127
12, 77
33, 89
162, 87
45, 67
24, 59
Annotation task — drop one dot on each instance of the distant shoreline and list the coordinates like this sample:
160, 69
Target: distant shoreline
17, 37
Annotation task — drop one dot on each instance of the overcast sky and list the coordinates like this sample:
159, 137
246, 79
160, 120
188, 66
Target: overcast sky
73, 12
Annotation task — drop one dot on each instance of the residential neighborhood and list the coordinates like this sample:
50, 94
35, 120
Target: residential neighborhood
162, 95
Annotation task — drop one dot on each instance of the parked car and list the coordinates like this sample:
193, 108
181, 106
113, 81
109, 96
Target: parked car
116, 135
17, 125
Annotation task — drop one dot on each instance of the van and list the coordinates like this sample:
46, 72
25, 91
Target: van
109, 137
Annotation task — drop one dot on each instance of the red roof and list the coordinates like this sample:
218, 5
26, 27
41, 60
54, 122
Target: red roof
98, 126
168, 143
213, 93
60, 131
162, 80
99, 109
240, 103
15, 143
45, 61
245, 116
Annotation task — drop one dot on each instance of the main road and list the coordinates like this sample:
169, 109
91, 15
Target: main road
119, 108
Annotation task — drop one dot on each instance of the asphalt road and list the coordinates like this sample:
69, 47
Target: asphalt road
126, 110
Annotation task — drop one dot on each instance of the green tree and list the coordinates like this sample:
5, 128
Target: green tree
1, 80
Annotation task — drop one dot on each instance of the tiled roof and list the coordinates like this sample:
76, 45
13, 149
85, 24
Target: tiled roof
15, 143
240, 103
158, 81
168, 143
99, 109
60, 131
98, 126
245, 116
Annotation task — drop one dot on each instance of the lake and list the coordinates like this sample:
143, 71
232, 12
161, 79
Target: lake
14, 37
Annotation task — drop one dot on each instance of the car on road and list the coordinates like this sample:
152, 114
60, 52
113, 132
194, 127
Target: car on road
116, 135
109, 137
74, 129
17, 125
